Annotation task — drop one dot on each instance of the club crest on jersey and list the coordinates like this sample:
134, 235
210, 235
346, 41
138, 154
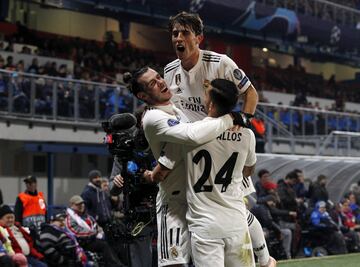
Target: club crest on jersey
174, 252
237, 74
172, 122
178, 91
206, 84
178, 79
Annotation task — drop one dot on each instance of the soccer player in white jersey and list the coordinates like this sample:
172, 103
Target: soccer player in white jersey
186, 76
216, 214
164, 123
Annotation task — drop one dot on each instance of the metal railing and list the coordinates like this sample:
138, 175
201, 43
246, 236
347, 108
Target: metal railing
319, 129
39, 97
341, 143
65, 101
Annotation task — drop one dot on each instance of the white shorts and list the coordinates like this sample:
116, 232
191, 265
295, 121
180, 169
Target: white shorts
234, 251
173, 236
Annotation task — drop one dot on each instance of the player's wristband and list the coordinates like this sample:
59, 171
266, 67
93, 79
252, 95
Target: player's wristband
242, 118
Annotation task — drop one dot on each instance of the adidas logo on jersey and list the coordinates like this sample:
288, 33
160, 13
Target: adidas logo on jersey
178, 91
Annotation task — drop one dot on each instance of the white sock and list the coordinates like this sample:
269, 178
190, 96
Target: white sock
258, 239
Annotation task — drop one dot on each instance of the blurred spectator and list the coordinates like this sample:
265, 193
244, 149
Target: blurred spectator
59, 247
287, 193
263, 214
324, 228
10, 47
21, 241
264, 177
10, 63
52, 69
317, 191
355, 189
7, 255
300, 99
96, 200
299, 186
30, 206
34, 67
110, 45
348, 217
355, 209
84, 227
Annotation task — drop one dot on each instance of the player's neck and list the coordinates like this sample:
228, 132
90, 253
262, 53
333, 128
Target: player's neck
190, 62
213, 114
162, 103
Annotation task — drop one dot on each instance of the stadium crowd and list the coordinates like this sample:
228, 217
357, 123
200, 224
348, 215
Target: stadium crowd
296, 214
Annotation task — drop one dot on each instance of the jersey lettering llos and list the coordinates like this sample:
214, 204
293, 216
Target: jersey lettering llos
215, 184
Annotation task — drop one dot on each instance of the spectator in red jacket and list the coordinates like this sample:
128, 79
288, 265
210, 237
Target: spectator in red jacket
21, 240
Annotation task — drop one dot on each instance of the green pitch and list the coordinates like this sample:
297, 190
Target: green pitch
347, 260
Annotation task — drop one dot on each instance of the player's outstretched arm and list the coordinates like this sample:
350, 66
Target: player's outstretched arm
197, 133
250, 97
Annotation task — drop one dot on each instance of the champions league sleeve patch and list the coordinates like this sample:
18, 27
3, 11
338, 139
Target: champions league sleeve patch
172, 122
237, 74
244, 81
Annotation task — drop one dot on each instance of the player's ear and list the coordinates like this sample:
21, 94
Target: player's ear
199, 38
142, 96
211, 106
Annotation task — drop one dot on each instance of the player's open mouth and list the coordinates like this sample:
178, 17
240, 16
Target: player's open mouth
180, 48
164, 90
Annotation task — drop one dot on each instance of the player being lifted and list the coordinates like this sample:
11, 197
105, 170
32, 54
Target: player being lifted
186, 76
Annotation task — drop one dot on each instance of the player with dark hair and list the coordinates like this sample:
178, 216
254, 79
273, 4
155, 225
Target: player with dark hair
186, 77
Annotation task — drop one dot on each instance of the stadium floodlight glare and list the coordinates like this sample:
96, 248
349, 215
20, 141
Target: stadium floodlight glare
265, 49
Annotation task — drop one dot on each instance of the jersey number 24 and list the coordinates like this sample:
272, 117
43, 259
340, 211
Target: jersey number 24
223, 176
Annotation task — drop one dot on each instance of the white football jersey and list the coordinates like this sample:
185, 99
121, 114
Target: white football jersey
164, 125
215, 184
188, 86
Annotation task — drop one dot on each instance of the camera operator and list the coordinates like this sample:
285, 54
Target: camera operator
136, 246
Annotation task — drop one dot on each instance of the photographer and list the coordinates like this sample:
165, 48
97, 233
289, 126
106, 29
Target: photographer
130, 194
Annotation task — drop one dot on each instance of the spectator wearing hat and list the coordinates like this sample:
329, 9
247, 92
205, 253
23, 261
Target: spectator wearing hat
60, 246
86, 230
21, 241
97, 201
30, 206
